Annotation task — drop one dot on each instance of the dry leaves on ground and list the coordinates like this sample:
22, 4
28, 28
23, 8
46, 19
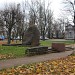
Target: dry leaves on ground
63, 66
6, 56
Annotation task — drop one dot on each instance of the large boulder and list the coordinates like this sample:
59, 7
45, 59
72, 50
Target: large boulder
31, 36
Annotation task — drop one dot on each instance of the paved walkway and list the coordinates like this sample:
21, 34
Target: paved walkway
27, 60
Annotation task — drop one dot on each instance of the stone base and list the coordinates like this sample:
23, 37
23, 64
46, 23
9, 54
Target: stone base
16, 45
60, 47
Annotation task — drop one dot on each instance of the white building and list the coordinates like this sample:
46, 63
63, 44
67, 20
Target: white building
69, 32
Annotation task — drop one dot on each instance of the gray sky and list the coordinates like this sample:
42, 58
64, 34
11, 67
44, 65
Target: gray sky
55, 5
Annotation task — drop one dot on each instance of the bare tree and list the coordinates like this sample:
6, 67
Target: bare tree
40, 15
30, 11
44, 19
49, 22
12, 19
9, 18
41, 18
1, 24
19, 22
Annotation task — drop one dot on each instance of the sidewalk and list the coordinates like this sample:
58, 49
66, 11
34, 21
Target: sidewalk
27, 60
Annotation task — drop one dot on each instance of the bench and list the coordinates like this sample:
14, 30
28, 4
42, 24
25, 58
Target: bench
36, 50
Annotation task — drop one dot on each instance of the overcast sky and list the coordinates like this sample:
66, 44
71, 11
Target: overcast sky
55, 6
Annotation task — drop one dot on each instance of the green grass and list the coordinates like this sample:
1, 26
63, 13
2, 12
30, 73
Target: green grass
15, 50
20, 51
49, 42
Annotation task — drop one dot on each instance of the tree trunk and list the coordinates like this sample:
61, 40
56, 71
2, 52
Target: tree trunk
74, 32
49, 36
74, 26
9, 36
43, 36
57, 34
41, 30
49, 33
20, 35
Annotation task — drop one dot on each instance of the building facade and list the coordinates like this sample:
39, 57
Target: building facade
69, 32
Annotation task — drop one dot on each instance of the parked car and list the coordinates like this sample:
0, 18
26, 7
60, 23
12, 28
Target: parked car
2, 37
17, 38
41, 38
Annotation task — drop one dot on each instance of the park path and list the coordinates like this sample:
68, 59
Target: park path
27, 60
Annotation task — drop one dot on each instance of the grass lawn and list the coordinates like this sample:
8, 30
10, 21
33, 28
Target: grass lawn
49, 42
11, 51
15, 51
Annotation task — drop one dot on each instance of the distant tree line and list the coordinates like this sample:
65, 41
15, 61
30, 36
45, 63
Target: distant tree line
15, 19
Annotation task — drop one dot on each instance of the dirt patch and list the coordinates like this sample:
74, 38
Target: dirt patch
72, 45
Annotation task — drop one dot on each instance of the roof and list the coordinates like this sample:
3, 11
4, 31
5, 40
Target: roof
69, 25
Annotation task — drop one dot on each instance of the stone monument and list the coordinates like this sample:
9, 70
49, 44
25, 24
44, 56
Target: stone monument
60, 47
31, 36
